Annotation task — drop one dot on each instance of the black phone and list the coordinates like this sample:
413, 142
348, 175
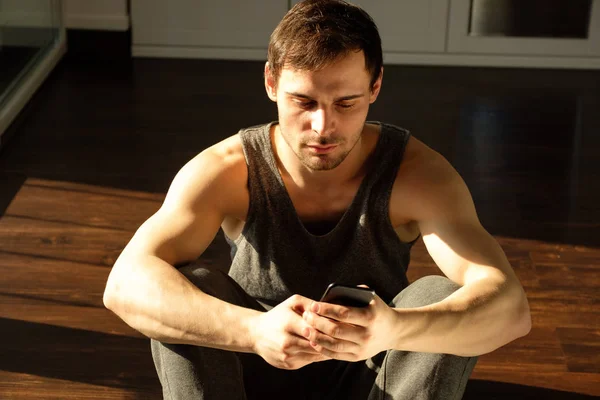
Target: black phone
351, 296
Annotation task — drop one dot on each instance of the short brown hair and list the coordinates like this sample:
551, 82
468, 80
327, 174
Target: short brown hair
314, 33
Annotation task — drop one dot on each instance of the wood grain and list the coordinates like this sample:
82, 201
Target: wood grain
83, 207
62, 241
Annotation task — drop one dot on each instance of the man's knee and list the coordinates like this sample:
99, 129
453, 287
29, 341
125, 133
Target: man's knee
414, 375
208, 280
427, 290
217, 283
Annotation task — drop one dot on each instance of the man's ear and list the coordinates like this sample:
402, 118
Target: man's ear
376, 88
270, 84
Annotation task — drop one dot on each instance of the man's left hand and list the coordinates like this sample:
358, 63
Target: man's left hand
350, 333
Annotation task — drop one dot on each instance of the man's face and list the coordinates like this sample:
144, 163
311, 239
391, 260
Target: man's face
322, 113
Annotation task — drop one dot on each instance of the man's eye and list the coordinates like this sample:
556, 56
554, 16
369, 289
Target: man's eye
345, 105
306, 104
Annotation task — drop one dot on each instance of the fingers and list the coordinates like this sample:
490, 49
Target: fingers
299, 303
295, 345
334, 328
334, 355
300, 360
320, 342
307, 358
334, 339
328, 331
299, 330
361, 316
340, 332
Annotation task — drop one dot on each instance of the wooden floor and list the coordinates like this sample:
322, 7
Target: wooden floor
93, 155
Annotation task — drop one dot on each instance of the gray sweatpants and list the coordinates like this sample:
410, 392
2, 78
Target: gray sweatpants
190, 372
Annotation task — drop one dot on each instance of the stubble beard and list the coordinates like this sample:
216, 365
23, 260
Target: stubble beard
324, 162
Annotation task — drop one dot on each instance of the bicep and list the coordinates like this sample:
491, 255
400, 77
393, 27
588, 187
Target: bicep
175, 235
453, 234
464, 251
188, 219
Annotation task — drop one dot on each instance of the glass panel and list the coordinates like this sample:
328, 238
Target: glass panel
530, 18
28, 29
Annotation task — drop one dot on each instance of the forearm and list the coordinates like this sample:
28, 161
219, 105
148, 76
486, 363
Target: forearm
477, 319
154, 298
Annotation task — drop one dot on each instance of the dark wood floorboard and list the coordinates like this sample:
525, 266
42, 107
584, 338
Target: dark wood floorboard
95, 151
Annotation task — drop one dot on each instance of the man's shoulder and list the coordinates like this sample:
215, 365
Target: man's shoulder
424, 176
223, 158
225, 161
422, 165
218, 175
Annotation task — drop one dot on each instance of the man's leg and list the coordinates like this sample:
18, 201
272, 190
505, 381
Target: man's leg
409, 375
191, 372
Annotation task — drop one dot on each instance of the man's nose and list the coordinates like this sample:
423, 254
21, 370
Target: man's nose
322, 122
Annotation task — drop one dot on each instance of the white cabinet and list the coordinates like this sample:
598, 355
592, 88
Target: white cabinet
408, 25
192, 28
459, 41
417, 32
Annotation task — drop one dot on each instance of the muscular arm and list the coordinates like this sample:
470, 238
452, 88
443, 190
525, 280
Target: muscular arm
490, 309
149, 294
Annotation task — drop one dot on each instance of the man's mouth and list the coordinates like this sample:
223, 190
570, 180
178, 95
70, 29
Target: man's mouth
319, 149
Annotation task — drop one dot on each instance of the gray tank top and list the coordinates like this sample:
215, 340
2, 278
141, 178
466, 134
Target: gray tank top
275, 256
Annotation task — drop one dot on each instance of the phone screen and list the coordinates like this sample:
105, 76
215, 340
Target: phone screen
351, 296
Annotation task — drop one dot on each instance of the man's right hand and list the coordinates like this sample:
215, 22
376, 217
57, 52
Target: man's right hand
279, 335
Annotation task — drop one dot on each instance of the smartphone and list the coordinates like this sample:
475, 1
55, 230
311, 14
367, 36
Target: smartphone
351, 296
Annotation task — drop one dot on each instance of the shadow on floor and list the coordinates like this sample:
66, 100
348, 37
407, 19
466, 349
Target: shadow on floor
481, 389
70, 354
125, 362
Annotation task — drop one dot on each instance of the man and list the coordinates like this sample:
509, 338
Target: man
319, 196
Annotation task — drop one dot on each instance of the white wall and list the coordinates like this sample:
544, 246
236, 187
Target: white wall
111, 15
26, 13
